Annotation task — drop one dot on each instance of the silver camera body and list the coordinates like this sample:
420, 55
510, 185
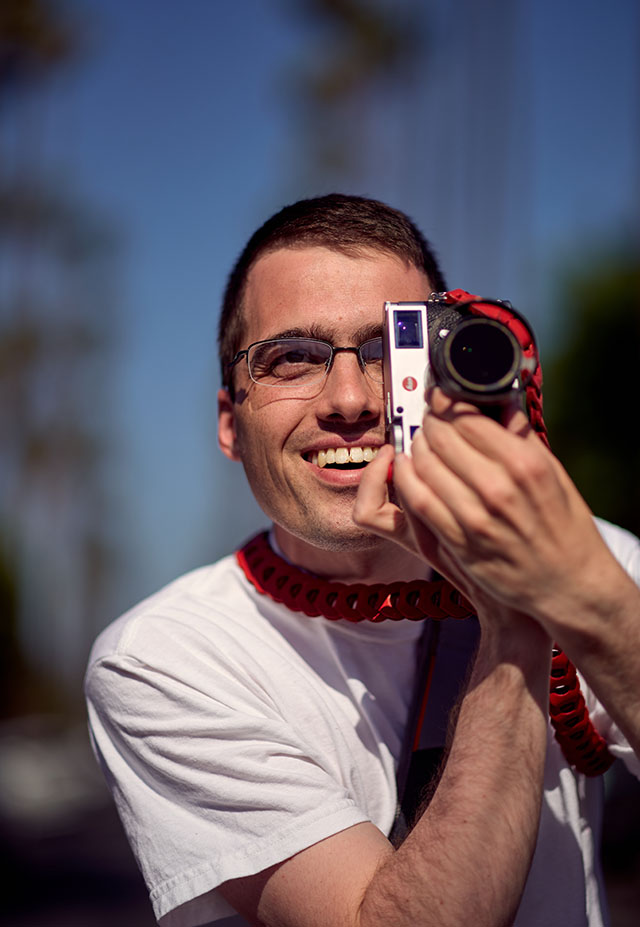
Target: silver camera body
406, 370
471, 357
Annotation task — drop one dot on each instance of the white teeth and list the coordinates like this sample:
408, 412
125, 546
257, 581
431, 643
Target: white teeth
342, 455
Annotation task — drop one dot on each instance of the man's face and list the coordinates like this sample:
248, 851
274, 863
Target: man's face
275, 432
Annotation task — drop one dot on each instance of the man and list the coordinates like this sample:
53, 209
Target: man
253, 750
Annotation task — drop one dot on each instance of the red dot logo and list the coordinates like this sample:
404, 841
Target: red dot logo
410, 383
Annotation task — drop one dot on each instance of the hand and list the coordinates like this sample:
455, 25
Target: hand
489, 507
503, 510
375, 511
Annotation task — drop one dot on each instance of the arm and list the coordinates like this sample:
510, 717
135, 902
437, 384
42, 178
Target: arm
468, 856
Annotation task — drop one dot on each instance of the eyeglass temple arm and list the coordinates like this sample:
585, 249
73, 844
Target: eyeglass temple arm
238, 356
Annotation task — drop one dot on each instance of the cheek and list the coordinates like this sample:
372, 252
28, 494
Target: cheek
265, 468
263, 428
259, 444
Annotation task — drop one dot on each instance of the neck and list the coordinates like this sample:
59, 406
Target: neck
381, 562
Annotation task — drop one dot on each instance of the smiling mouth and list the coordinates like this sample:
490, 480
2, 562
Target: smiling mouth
342, 458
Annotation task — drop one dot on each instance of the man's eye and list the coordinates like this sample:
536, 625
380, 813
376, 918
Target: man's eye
371, 351
296, 357
287, 361
293, 358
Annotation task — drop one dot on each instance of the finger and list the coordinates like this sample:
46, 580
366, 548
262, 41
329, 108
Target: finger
444, 406
499, 493
502, 444
420, 500
456, 473
513, 417
424, 541
431, 463
373, 509
516, 420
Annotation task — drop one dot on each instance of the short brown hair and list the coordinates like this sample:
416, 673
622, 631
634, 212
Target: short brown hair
342, 223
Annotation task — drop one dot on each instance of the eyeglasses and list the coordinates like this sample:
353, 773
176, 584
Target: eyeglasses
299, 362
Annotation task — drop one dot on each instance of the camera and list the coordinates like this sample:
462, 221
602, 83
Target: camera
441, 343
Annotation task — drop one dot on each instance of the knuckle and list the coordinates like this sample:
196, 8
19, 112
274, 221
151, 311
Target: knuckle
528, 468
479, 523
418, 509
436, 442
500, 495
362, 512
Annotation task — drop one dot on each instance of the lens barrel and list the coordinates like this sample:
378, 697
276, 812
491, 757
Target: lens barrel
478, 359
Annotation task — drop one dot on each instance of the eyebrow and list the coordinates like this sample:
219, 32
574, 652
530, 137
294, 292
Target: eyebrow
362, 334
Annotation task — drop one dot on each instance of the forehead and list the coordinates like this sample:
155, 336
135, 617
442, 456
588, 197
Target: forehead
314, 287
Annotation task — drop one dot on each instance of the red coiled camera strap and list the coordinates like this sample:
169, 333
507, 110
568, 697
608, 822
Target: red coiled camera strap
303, 592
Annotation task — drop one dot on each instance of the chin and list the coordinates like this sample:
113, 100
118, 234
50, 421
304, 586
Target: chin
327, 528
338, 537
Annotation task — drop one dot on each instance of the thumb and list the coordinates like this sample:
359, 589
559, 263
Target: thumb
373, 509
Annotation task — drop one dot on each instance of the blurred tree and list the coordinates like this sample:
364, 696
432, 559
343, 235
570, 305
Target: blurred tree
364, 49
33, 39
55, 324
590, 385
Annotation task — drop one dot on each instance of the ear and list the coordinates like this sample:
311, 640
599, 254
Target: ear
227, 438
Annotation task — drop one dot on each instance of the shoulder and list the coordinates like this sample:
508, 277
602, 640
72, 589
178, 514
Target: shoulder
192, 599
198, 628
211, 634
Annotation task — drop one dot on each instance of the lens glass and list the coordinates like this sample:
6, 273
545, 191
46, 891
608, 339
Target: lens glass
371, 356
483, 355
288, 361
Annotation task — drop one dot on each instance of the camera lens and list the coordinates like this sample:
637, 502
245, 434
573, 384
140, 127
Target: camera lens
482, 356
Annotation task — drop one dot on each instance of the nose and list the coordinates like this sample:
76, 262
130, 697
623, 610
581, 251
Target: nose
348, 393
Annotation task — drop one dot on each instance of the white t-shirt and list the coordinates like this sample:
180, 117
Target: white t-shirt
235, 733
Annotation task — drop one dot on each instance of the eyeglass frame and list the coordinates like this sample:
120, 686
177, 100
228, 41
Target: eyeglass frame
328, 364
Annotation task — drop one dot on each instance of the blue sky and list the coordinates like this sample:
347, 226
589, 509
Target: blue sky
514, 144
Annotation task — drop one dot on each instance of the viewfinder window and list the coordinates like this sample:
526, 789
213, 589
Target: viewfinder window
408, 328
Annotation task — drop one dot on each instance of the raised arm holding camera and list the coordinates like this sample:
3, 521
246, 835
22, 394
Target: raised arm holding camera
265, 722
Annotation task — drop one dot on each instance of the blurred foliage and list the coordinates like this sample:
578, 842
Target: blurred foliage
358, 50
56, 267
365, 40
33, 40
590, 385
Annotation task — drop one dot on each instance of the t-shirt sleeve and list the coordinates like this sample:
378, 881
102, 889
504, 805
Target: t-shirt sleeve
616, 741
211, 781
626, 549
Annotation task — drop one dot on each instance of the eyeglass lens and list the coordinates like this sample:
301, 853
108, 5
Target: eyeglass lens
295, 361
